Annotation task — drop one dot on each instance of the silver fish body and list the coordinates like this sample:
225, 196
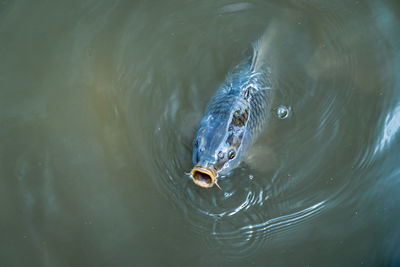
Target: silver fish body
234, 118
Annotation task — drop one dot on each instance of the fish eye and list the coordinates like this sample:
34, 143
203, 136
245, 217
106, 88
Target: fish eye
221, 155
231, 154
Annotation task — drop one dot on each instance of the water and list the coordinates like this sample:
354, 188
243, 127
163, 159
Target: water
100, 101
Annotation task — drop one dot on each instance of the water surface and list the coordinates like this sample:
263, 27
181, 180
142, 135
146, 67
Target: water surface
100, 101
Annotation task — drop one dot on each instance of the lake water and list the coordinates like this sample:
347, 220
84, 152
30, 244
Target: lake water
100, 101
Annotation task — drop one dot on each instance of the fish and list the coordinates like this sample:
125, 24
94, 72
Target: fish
234, 118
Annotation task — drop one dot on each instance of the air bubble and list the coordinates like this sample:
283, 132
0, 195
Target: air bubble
283, 112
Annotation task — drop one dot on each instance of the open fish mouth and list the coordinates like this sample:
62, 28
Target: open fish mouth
203, 176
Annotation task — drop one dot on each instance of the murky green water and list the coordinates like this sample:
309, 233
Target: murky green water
100, 101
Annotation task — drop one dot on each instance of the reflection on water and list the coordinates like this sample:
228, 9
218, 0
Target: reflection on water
100, 102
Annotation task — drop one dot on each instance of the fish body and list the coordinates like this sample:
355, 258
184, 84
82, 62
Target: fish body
234, 118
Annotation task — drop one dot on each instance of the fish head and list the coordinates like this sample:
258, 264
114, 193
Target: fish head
217, 149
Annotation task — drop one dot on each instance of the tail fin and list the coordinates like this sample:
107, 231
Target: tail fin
262, 47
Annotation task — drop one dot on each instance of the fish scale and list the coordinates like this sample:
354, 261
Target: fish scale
229, 99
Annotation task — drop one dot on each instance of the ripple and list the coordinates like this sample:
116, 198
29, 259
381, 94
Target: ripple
390, 130
255, 233
249, 212
319, 161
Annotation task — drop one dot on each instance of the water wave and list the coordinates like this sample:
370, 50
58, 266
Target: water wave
316, 163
